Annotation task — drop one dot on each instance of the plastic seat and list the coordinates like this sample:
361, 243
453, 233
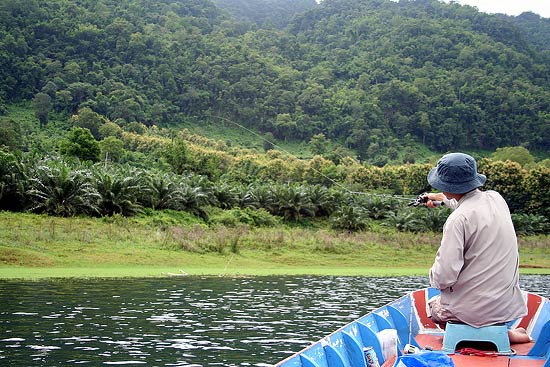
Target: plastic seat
495, 334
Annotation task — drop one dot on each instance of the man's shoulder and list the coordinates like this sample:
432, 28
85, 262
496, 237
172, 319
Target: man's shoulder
481, 201
478, 194
493, 194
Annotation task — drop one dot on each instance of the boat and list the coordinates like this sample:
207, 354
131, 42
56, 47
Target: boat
401, 332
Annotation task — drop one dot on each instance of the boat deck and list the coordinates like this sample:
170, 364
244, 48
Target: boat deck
432, 336
436, 342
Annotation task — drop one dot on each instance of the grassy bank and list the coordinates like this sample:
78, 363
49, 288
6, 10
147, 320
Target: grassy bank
36, 246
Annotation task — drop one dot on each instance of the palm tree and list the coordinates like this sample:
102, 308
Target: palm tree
350, 218
227, 196
258, 196
408, 221
322, 199
58, 189
194, 200
291, 202
13, 181
434, 219
119, 191
164, 191
379, 207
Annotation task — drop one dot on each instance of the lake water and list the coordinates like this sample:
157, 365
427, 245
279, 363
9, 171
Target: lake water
188, 321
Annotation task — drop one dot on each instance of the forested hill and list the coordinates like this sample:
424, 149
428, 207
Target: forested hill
536, 29
375, 75
266, 13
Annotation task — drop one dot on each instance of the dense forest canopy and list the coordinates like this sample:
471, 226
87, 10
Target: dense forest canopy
265, 13
374, 75
536, 29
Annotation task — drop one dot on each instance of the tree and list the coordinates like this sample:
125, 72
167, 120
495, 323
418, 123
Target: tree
350, 218
50, 89
13, 181
42, 105
268, 141
136, 128
88, 119
118, 191
285, 126
536, 184
80, 143
291, 202
112, 149
110, 129
177, 155
164, 191
128, 109
318, 144
10, 133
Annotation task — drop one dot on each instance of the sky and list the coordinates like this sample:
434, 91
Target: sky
511, 7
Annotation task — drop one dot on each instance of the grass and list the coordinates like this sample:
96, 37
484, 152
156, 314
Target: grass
232, 132
237, 135
37, 246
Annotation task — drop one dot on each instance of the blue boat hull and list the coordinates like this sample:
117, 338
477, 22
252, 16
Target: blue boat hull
390, 328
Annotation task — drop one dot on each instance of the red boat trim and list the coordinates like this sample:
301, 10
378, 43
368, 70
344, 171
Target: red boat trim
534, 303
420, 299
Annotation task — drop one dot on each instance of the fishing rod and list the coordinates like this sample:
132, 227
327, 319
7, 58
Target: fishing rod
336, 183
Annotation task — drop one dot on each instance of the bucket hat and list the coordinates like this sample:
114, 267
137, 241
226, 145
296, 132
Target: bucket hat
456, 173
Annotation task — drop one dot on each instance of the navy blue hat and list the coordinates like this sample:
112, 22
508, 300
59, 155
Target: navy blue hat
456, 173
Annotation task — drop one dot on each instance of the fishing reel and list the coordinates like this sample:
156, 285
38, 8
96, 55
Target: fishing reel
422, 199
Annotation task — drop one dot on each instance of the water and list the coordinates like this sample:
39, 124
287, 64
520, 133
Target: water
190, 321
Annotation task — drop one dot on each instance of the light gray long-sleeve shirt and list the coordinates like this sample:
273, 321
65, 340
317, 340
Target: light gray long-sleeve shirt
477, 265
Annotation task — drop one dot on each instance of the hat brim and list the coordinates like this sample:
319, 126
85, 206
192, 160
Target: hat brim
454, 187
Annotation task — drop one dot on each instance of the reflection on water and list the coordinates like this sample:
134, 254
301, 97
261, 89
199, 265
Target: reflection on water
191, 321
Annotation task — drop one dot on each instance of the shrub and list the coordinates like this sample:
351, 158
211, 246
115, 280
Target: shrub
236, 216
406, 221
350, 218
257, 217
506, 178
530, 224
535, 185
80, 143
379, 207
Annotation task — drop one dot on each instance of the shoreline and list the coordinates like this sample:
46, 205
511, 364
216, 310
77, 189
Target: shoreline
41, 247
135, 272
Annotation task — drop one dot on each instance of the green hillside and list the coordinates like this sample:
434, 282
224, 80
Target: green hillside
375, 77
165, 132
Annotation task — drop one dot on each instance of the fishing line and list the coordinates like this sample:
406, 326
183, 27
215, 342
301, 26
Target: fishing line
336, 183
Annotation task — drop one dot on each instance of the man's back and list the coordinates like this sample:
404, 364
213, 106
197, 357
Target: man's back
476, 267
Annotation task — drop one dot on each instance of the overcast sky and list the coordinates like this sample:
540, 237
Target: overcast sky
511, 7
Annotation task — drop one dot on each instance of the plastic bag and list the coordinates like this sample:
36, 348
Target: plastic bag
424, 359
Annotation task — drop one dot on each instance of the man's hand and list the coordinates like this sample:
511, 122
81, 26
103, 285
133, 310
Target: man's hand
435, 199
424, 199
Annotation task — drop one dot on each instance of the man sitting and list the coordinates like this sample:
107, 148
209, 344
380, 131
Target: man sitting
477, 264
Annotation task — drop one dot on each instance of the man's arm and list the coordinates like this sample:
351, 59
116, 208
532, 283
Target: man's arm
439, 196
450, 255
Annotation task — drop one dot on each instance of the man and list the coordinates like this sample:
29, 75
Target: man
477, 264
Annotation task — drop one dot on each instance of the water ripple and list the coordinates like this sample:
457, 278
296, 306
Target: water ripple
206, 321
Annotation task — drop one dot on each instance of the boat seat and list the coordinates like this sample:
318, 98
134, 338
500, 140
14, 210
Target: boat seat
494, 334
